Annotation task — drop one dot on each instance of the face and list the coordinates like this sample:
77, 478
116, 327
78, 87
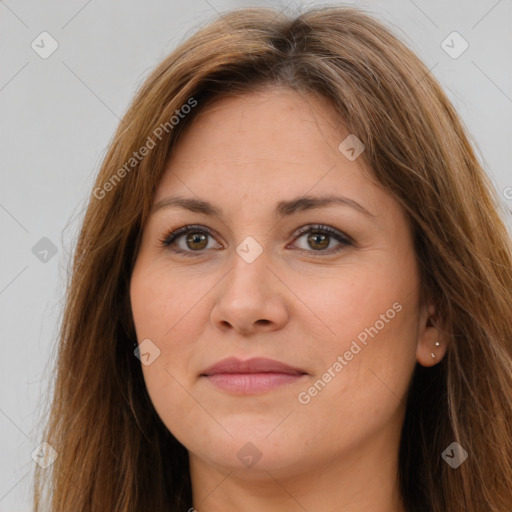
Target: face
328, 289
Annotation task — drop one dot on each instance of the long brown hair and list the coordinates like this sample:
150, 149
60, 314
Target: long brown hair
114, 453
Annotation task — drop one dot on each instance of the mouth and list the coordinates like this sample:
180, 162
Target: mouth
253, 376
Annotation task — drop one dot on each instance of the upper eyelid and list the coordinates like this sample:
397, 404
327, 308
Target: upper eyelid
320, 227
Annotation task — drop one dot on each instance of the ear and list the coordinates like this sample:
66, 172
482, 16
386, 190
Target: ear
432, 341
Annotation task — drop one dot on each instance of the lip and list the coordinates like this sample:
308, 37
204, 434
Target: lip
252, 376
254, 365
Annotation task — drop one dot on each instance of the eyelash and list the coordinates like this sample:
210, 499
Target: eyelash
345, 240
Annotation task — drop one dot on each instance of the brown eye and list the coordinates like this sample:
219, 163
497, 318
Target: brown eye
318, 241
320, 237
188, 239
197, 240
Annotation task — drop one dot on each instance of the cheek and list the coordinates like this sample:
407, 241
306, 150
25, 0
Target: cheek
165, 314
371, 315
163, 302
367, 364
162, 312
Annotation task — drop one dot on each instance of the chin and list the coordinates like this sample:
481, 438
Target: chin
253, 455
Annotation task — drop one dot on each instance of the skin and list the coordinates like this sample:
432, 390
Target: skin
293, 303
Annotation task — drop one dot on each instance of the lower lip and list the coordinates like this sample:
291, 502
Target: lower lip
252, 383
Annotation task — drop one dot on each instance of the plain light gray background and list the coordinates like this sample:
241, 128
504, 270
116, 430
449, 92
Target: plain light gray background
59, 114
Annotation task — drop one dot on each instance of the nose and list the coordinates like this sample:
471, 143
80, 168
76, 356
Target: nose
251, 299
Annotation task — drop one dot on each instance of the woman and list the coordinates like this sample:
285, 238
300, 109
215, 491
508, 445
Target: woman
292, 288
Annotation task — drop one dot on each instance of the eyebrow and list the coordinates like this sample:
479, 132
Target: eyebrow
282, 209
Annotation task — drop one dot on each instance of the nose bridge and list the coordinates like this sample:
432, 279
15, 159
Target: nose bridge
248, 294
248, 269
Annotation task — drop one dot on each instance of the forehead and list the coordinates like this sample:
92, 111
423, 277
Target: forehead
265, 124
272, 139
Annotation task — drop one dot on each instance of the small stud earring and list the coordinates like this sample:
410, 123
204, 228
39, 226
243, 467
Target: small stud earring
437, 344
432, 354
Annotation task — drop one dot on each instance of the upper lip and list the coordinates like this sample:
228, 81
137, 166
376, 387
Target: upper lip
254, 365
